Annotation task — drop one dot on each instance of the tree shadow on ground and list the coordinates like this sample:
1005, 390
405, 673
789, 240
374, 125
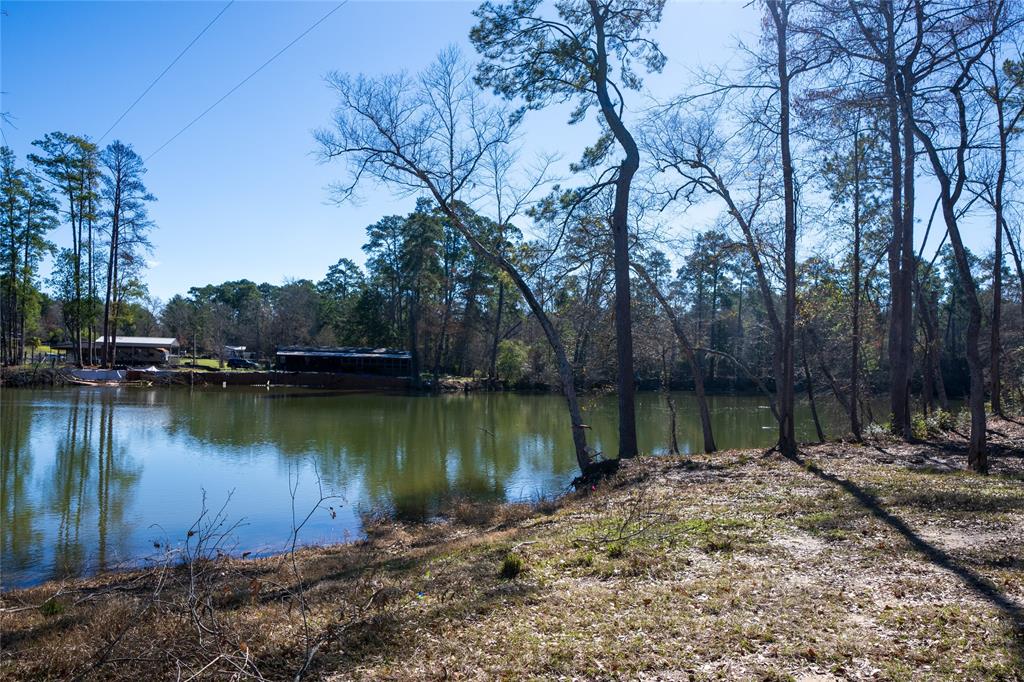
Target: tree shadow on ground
981, 586
950, 457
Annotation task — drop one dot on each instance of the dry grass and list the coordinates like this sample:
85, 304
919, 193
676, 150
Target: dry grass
881, 561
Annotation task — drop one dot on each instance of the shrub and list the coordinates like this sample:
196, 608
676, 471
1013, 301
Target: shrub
585, 560
511, 360
615, 551
512, 566
939, 421
919, 426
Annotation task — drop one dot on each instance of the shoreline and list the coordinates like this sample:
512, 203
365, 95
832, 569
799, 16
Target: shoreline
852, 558
45, 377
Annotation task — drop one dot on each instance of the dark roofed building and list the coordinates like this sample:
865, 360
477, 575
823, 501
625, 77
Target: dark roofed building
380, 361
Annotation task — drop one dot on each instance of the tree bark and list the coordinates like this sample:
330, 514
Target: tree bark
996, 345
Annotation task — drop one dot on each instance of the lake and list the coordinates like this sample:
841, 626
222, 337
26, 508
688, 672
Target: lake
98, 478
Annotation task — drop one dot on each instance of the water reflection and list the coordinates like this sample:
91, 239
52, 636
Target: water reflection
67, 481
93, 477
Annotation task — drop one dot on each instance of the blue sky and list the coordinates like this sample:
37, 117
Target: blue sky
241, 193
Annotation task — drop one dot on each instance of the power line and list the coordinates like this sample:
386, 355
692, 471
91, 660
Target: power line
247, 78
168, 68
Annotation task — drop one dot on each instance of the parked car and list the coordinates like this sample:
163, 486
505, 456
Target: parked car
242, 363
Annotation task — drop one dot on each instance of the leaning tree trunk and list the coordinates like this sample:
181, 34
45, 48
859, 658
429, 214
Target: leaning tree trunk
809, 385
691, 358
977, 457
996, 346
565, 370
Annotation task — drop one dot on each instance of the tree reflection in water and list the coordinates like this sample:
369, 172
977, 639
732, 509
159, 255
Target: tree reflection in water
93, 477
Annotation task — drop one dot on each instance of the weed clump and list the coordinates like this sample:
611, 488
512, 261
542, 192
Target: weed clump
511, 566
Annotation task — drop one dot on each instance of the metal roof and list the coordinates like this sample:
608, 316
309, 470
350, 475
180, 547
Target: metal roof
346, 352
142, 341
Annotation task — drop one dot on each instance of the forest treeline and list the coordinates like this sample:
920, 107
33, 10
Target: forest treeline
848, 152
96, 285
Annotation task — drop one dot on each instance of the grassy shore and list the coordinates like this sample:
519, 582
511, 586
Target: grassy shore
877, 561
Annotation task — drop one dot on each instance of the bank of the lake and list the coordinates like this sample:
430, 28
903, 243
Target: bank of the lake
880, 561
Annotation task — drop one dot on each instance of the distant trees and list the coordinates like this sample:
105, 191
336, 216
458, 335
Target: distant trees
1004, 86
127, 223
100, 196
28, 213
70, 164
815, 149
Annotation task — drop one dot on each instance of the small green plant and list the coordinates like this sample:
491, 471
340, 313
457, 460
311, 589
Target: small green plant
615, 551
940, 421
585, 560
512, 566
919, 426
51, 607
717, 543
876, 432
963, 420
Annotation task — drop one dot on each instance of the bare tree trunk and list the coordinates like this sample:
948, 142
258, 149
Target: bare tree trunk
779, 10
809, 387
855, 426
492, 372
977, 459
996, 346
115, 238
902, 295
691, 358
92, 292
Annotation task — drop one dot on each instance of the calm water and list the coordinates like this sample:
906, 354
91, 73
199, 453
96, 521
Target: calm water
95, 478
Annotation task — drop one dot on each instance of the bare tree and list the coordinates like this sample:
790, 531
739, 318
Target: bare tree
688, 351
734, 169
433, 134
946, 130
1003, 84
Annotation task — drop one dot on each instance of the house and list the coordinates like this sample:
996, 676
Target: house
379, 361
140, 350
